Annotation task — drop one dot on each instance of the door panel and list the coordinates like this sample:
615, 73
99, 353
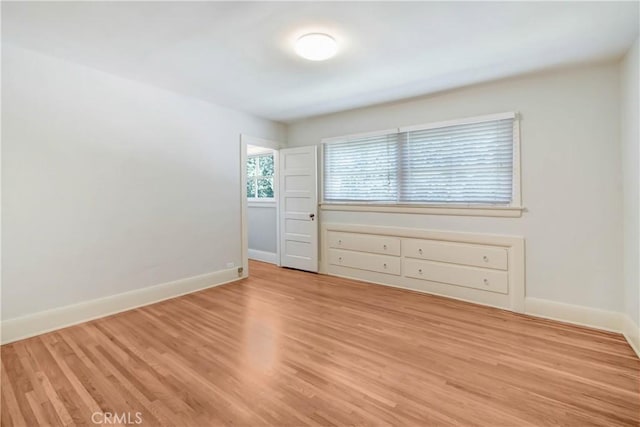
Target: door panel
299, 208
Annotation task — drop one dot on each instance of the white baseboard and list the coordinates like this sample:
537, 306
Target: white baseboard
264, 256
576, 314
631, 332
50, 320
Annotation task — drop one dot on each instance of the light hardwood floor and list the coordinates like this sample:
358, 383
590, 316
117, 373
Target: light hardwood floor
287, 348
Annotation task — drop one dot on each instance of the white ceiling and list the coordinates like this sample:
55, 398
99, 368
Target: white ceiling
240, 54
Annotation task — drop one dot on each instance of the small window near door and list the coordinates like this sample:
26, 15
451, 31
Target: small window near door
260, 172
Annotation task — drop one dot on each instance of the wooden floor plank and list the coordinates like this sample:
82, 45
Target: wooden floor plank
289, 348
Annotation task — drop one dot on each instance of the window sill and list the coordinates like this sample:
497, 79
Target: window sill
486, 210
257, 203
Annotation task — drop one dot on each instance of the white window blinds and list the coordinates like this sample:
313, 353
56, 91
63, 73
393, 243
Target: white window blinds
467, 163
363, 169
470, 163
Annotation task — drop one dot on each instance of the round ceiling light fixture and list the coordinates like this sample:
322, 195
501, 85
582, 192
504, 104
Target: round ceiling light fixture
316, 46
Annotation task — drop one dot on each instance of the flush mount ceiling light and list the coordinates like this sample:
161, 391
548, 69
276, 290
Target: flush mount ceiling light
316, 46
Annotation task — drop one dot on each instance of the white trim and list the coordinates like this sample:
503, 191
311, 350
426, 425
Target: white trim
261, 203
276, 194
422, 126
456, 122
516, 183
259, 151
320, 177
57, 318
347, 138
459, 210
258, 200
419, 233
631, 332
606, 320
264, 256
261, 142
244, 232
575, 314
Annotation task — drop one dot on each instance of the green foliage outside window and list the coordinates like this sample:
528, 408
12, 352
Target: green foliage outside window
260, 172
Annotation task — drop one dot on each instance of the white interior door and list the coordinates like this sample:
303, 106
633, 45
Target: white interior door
299, 208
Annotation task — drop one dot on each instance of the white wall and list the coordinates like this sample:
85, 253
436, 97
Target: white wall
262, 224
109, 185
631, 181
571, 181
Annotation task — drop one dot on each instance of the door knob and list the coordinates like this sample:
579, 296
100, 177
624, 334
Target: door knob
312, 216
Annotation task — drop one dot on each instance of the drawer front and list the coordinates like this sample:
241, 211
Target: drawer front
365, 261
470, 277
364, 243
457, 253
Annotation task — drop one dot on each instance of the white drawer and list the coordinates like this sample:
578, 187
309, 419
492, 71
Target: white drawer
365, 261
364, 243
470, 277
457, 253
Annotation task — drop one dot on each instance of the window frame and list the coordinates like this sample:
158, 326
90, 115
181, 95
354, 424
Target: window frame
514, 209
259, 200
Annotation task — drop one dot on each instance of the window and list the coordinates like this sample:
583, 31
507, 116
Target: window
466, 163
365, 169
260, 172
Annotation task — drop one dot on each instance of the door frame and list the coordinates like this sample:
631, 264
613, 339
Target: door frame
244, 204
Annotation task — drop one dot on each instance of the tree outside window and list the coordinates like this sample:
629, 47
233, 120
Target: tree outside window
260, 173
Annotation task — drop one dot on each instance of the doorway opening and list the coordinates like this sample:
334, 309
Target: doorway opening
260, 204
279, 204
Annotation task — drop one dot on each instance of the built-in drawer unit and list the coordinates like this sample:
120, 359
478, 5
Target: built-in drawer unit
482, 268
364, 243
365, 261
457, 253
459, 275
